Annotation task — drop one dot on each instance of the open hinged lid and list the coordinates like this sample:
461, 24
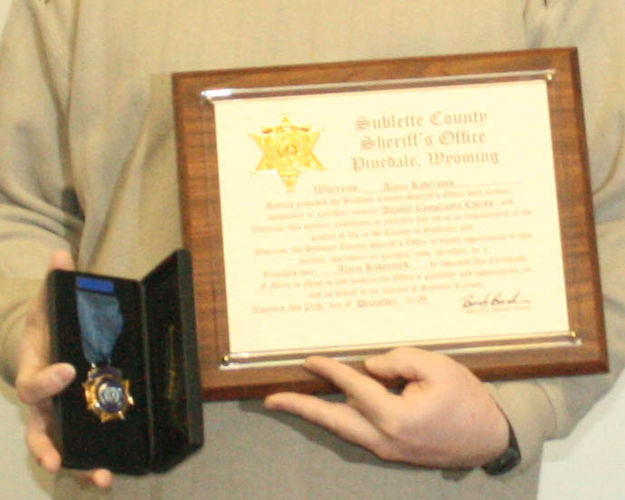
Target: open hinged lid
175, 384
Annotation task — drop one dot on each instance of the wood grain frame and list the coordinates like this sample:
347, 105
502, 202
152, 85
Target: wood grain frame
583, 353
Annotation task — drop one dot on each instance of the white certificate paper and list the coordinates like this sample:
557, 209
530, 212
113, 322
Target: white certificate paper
384, 217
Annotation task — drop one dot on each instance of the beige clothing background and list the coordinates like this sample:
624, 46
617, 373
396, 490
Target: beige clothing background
88, 163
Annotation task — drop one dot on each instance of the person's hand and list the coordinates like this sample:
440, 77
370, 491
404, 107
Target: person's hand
443, 418
37, 382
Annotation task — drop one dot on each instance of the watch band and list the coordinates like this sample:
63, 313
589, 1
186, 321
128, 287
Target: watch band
508, 460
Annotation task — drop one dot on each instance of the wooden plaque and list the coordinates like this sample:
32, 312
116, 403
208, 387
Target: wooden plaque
427, 155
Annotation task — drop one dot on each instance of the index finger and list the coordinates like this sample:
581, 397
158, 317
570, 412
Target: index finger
368, 395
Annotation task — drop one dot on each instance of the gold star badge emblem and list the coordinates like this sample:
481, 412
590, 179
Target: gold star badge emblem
287, 149
107, 394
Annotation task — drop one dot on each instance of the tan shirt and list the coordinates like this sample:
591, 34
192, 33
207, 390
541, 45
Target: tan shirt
88, 163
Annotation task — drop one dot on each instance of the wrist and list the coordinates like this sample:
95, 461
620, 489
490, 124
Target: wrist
508, 459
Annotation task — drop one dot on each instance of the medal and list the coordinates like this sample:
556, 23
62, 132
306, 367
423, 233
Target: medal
107, 393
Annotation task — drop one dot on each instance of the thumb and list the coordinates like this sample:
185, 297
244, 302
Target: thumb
62, 259
33, 353
37, 318
45, 383
408, 363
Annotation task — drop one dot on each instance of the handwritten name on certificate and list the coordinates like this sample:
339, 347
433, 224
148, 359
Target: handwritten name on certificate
389, 216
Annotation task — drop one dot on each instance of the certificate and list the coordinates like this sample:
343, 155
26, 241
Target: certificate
346, 209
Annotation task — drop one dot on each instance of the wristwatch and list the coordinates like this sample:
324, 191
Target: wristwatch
508, 460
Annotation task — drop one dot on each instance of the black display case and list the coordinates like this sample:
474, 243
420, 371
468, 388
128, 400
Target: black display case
135, 404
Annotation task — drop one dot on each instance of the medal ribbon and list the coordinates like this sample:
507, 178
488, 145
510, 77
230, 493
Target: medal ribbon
101, 323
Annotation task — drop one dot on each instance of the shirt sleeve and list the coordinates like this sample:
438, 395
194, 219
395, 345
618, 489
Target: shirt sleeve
39, 212
550, 408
